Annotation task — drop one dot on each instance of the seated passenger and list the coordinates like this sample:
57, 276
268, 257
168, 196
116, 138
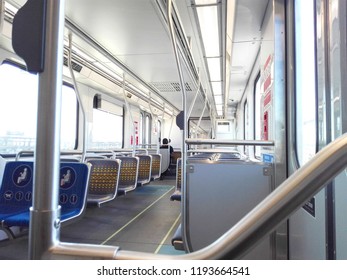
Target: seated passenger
167, 146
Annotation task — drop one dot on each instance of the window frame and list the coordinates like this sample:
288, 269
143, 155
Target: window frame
74, 141
299, 159
255, 110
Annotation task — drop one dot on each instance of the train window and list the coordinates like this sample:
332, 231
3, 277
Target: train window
141, 129
257, 115
107, 132
159, 130
68, 119
19, 109
246, 129
148, 129
305, 76
335, 73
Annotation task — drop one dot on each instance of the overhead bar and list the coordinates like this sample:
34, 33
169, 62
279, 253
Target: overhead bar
202, 141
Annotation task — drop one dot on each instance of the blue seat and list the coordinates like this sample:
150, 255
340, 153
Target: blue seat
74, 179
17, 187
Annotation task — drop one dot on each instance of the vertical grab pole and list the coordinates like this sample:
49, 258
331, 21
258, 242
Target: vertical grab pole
194, 100
172, 119
131, 116
184, 110
45, 214
162, 119
199, 122
152, 115
78, 95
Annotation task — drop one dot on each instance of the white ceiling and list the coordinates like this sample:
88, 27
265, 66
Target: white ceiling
246, 43
135, 33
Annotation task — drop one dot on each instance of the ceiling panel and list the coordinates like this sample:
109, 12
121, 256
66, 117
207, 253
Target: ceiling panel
135, 33
246, 44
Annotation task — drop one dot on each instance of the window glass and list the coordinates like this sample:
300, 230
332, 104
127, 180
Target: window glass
68, 118
321, 74
246, 129
107, 132
305, 72
159, 131
148, 129
335, 73
18, 111
141, 141
246, 121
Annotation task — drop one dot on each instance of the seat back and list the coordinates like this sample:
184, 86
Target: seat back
16, 188
165, 158
145, 166
128, 173
73, 184
156, 166
104, 180
179, 174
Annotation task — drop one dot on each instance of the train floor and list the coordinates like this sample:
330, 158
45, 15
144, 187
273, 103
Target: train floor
143, 220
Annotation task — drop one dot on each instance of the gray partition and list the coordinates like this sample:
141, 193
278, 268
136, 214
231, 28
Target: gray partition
219, 194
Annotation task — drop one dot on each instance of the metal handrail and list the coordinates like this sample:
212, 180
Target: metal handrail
201, 141
184, 111
32, 153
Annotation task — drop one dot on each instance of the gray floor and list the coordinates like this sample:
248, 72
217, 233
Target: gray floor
143, 220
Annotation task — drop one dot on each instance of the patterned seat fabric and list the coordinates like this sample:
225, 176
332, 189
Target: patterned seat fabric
104, 180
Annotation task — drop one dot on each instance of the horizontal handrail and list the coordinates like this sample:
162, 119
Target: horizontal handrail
260, 221
31, 153
216, 150
201, 141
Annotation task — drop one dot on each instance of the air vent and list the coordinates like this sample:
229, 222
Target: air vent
76, 67
170, 86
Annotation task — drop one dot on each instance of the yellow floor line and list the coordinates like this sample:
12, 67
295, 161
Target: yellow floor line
168, 233
133, 219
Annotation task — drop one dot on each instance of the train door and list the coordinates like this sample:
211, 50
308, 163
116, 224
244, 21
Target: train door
317, 117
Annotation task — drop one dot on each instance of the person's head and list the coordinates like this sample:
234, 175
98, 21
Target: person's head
165, 141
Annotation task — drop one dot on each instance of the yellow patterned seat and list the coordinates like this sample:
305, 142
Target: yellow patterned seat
156, 166
104, 179
128, 173
145, 167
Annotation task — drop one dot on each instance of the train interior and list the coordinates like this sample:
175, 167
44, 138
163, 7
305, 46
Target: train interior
221, 80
